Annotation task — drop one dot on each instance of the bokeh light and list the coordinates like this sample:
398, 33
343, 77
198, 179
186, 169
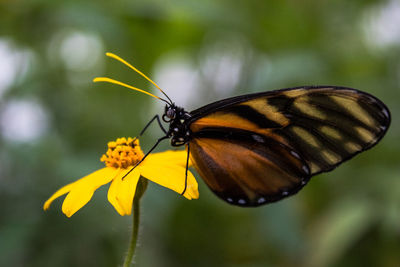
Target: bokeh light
23, 121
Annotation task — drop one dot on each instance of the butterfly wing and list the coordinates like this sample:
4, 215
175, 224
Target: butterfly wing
245, 168
259, 148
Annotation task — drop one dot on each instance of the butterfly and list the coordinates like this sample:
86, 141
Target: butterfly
259, 148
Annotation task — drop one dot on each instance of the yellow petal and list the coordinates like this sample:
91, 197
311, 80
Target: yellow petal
192, 190
113, 192
170, 176
171, 157
63, 190
82, 190
121, 192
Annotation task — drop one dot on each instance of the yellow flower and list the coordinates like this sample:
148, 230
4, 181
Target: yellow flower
165, 168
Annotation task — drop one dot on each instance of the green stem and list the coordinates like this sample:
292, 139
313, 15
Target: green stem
141, 187
135, 230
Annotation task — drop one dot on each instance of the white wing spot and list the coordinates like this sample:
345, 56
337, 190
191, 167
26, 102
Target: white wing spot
261, 200
295, 154
242, 201
258, 138
305, 169
385, 112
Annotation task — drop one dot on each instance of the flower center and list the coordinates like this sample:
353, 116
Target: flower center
122, 153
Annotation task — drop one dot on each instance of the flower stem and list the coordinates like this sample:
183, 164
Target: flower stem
141, 187
135, 230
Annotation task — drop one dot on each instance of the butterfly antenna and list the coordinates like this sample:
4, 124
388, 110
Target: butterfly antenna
108, 80
138, 71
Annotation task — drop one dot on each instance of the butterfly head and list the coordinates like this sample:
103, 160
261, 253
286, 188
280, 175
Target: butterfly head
177, 118
170, 112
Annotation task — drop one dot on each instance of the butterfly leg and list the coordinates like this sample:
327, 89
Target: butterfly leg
148, 153
150, 122
187, 167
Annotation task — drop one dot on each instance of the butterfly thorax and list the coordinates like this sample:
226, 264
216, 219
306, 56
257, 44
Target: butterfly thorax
177, 118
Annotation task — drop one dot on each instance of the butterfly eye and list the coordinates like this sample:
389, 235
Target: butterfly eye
171, 113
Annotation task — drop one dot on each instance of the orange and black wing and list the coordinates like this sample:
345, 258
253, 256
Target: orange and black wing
260, 148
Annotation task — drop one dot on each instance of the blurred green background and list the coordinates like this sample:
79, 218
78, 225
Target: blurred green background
55, 123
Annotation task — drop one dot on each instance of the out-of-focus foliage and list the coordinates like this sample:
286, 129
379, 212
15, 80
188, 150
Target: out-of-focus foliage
54, 126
